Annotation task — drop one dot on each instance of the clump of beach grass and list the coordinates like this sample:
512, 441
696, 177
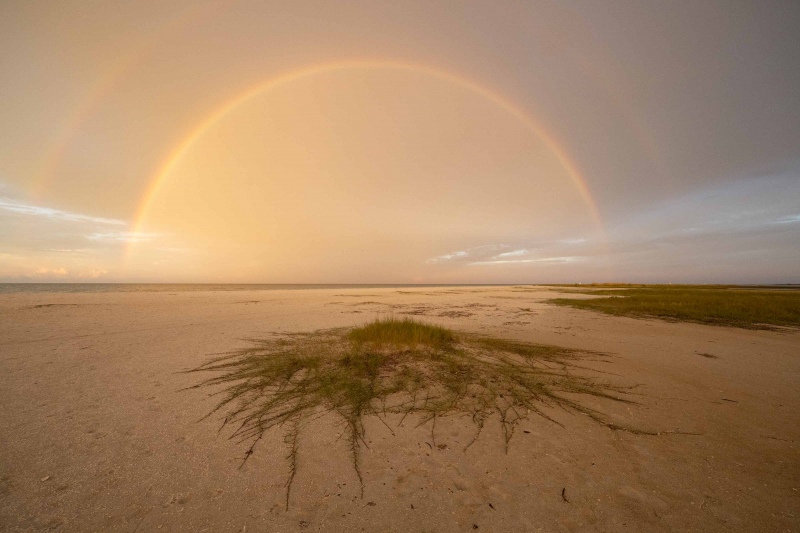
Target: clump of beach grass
401, 333
396, 366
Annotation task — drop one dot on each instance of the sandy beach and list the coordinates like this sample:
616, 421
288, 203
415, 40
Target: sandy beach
97, 433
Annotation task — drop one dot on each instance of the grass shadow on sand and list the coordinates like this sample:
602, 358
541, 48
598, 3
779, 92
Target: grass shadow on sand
396, 366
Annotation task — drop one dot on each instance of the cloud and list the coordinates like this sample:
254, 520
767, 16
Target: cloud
44, 272
15, 206
743, 231
62, 273
480, 251
549, 251
123, 236
723, 232
565, 259
790, 219
447, 257
515, 253
93, 273
741, 214
47, 244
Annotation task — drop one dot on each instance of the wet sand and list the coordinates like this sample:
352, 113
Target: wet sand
97, 435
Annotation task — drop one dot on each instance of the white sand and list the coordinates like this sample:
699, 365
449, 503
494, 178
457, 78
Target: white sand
96, 436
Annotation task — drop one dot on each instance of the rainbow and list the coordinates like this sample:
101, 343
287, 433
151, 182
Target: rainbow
177, 154
111, 78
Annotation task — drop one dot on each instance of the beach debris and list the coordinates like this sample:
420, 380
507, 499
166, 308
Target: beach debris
45, 478
708, 355
564, 494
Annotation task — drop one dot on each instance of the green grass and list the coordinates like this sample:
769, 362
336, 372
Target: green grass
756, 308
401, 367
398, 333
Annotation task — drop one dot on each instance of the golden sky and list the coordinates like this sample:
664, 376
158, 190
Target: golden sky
399, 142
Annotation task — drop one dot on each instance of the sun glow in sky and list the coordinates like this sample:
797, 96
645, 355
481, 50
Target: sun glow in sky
237, 141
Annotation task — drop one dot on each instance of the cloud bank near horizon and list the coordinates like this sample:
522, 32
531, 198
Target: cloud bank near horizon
750, 225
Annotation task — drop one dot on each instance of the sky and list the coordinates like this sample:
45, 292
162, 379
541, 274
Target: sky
400, 142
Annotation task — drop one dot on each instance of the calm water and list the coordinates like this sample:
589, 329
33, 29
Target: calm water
6, 288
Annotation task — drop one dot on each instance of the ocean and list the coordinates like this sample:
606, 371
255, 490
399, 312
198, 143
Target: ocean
7, 288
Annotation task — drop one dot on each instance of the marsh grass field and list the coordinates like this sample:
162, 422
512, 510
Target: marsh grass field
744, 307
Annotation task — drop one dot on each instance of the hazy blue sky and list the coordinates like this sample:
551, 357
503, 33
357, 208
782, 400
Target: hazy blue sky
540, 141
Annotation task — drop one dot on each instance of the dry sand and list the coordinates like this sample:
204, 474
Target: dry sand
95, 434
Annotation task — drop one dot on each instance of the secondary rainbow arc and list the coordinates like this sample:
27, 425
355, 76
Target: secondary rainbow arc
111, 79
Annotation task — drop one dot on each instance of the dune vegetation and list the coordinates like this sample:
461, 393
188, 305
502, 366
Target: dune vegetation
745, 307
406, 368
